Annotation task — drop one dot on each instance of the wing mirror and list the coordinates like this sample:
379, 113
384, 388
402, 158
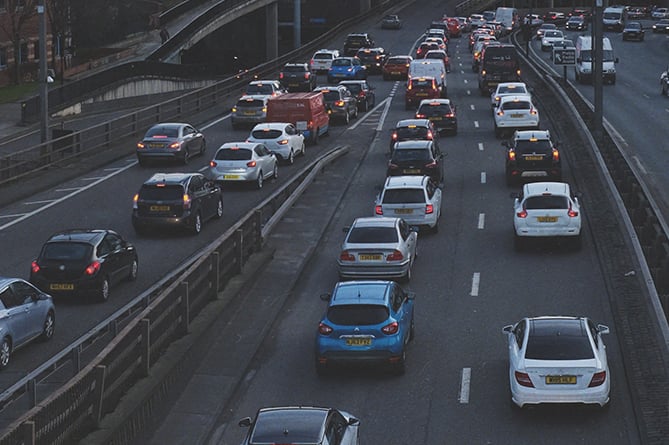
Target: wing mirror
325, 297
508, 329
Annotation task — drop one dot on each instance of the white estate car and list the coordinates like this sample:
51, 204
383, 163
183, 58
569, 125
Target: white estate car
507, 89
549, 37
416, 199
558, 359
515, 113
322, 59
282, 138
546, 209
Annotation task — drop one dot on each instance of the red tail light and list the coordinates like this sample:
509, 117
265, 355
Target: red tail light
556, 155
598, 378
429, 209
395, 256
523, 379
324, 329
140, 145
378, 210
393, 136
518, 73
251, 164
391, 328
339, 103
449, 115
282, 142
212, 164
522, 214
511, 155
361, 94
175, 145
281, 75
187, 201
533, 111
430, 136
420, 116
500, 113
92, 268
311, 62
432, 164
346, 256
572, 213
34, 267
306, 75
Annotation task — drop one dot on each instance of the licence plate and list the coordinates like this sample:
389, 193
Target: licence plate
61, 286
159, 208
411, 171
230, 176
533, 158
421, 94
395, 73
249, 113
435, 118
155, 145
547, 219
358, 341
364, 257
293, 84
560, 379
339, 75
404, 211
516, 115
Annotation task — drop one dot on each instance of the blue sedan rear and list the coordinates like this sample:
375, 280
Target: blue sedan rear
365, 322
346, 68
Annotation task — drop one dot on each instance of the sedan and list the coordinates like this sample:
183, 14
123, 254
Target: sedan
558, 359
633, 31
349, 68
416, 199
549, 38
576, 23
340, 103
170, 141
365, 322
661, 26
396, 67
281, 138
245, 162
378, 247
26, 314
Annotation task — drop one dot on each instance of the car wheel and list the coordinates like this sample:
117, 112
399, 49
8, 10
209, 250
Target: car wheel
49, 327
186, 158
5, 352
355, 112
197, 224
275, 172
259, 181
314, 138
303, 151
103, 292
291, 158
219, 209
132, 274
365, 105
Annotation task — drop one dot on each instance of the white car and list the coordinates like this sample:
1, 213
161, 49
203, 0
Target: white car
546, 210
268, 88
416, 199
660, 13
558, 359
243, 162
549, 38
515, 112
322, 59
507, 89
282, 138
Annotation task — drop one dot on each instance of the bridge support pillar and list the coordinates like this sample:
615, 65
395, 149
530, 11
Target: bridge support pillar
272, 31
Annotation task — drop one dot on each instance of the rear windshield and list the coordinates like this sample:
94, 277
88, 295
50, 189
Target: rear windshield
511, 90
516, 105
354, 88
435, 110
421, 83
411, 133
411, 154
294, 69
398, 61
167, 193
324, 56
167, 132
372, 235
526, 147
404, 196
266, 134
358, 314
546, 202
341, 62
331, 95
231, 154
255, 103
259, 89
66, 251
558, 342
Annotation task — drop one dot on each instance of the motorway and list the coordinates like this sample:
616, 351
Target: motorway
468, 280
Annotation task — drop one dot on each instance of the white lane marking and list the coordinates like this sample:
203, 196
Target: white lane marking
46, 201
465, 80
480, 146
67, 189
483, 177
639, 164
110, 169
481, 223
476, 124
12, 216
472, 107
385, 102
93, 178
476, 279
469, 93
464, 385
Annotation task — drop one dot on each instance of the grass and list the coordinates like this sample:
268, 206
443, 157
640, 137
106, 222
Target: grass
14, 93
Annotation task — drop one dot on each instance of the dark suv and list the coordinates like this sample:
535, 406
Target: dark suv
84, 262
339, 102
183, 200
297, 77
532, 155
421, 158
355, 41
372, 58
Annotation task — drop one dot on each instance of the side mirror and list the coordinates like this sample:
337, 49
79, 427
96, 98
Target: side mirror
602, 329
578, 195
411, 295
325, 297
246, 421
508, 329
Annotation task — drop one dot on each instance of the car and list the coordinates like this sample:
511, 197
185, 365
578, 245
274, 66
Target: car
391, 21
354, 41
421, 158
558, 359
660, 13
26, 314
633, 31
419, 88
396, 67
550, 37
438, 40
440, 54
366, 322
346, 68
515, 112
416, 199
249, 162
249, 110
322, 59
480, 37
490, 28
84, 262
176, 200
636, 13
489, 16
531, 154
424, 47
556, 17
339, 102
301, 424
534, 20
440, 32
661, 26
264, 88
477, 52
170, 140
372, 58
297, 77
543, 28
465, 24
576, 23
362, 91
476, 20
507, 89
280, 138
586, 13
413, 130
454, 28
441, 112
544, 210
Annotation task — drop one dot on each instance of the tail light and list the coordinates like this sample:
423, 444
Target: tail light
410, 86
429, 209
511, 155
339, 103
234, 109
523, 379
251, 164
395, 256
345, 255
430, 136
92, 268
306, 76
310, 125
522, 214
571, 212
350, 69
483, 73
598, 378
175, 145
311, 62
281, 76
556, 155
518, 72
212, 164
378, 210
187, 201
361, 94
449, 115
407, 65
134, 201
500, 113
34, 267
324, 329
533, 111
432, 164
282, 142
392, 166
420, 116
391, 328
264, 109
140, 145
393, 136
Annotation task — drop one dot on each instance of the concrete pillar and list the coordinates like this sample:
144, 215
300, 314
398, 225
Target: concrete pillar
272, 31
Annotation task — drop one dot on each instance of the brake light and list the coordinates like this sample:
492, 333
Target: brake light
572, 213
429, 209
324, 329
140, 145
311, 62
234, 109
449, 115
187, 201
410, 86
432, 164
378, 210
598, 378
420, 116
306, 75
34, 267
282, 142
338, 103
429, 135
345, 255
556, 155
212, 164
92, 268
533, 111
393, 136
175, 145
395, 256
511, 155
281, 75
522, 214
500, 113
483, 73
134, 201
523, 379
518, 72
361, 94
251, 164
391, 328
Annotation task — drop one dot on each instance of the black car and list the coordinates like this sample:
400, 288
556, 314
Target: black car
297, 77
391, 21
339, 102
179, 200
576, 23
417, 158
355, 41
372, 58
84, 262
441, 112
531, 154
413, 130
633, 31
362, 91
170, 140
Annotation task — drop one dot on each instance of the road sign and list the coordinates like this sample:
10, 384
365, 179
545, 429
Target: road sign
564, 56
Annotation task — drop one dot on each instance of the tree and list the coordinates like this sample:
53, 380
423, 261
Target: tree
58, 12
18, 13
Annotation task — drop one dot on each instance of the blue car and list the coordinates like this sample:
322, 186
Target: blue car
346, 68
365, 322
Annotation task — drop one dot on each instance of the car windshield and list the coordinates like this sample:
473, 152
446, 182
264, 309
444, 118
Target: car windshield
372, 235
246, 103
330, 95
517, 89
292, 426
404, 196
66, 251
294, 69
163, 193
421, 83
354, 88
553, 34
633, 26
341, 62
435, 110
516, 105
357, 314
550, 202
162, 132
233, 154
324, 56
411, 154
397, 61
266, 134
259, 89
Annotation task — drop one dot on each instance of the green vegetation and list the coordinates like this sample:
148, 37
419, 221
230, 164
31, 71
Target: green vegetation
14, 93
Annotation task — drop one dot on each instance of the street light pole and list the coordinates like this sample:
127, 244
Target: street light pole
43, 76
597, 75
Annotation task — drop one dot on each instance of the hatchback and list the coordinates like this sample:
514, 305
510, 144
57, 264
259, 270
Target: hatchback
281, 138
416, 199
169, 140
340, 103
424, 47
243, 162
442, 55
550, 37
391, 21
576, 23
355, 41
507, 89
378, 248
297, 77
419, 88
365, 322
249, 110
372, 58
532, 154
346, 68
322, 60
633, 31
515, 112
441, 112
417, 158
362, 91
413, 130
396, 67
26, 314
264, 88
84, 262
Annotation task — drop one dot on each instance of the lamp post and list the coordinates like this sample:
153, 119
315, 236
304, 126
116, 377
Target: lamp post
43, 75
597, 76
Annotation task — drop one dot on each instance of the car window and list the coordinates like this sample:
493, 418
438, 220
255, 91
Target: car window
435, 110
115, 242
8, 298
23, 292
166, 193
594, 332
341, 62
372, 235
404, 196
397, 298
103, 249
189, 130
519, 333
331, 95
405, 230
253, 103
290, 130
66, 251
421, 83
413, 132
357, 314
162, 132
266, 134
294, 69
233, 154
411, 154
539, 146
260, 150
323, 56
430, 189
259, 89
353, 87
516, 105
546, 202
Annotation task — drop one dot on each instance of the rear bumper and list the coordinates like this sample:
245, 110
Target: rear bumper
144, 222
368, 271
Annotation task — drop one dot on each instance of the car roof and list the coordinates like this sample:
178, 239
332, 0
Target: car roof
4, 281
541, 188
557, 325
360, 292
351, 82
170, 178
271, 125
325, 50
290, 424
511, 84
413, 122
375, 221
398, 182
266, 81
91, 236
252, 97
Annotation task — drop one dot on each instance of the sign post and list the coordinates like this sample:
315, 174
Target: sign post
565, 57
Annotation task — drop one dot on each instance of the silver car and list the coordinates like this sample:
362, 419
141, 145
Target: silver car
26, 314
416, 199
378, 248
249, 110
245, 162
171, 140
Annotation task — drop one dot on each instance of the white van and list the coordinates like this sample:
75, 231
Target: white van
584, 54
509, 18
429, 68
614, 18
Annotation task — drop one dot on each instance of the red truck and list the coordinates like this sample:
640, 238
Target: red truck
304, 110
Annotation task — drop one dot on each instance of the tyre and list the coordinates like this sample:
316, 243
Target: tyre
355, 112
49, 327
186, 158
314, 138
303, 151
5, 352
365, 105
197, 224
103, 291
134, 267
259, 180
219, 209
291, 158
400, 367
275, 172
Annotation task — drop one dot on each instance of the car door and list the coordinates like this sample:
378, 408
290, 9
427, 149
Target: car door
265, 159
402, 312
434, 195
16, 317
117, 257
33, 316
200, 196
293, 138
408, 237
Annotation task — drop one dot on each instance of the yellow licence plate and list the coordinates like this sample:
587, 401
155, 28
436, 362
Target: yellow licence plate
61, 286
358, 341
404, 211
249, 113
421, 94
230, 176
159, 208
435, 118
411, 170
516, 115
548, 219
533, 158
155, 145
560, 379
395, 73
364, 257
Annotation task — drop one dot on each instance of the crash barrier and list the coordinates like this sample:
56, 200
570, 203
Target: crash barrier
475, 6
111, 135
76, 409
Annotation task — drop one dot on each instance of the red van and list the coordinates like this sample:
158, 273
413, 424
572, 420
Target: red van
304, 110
